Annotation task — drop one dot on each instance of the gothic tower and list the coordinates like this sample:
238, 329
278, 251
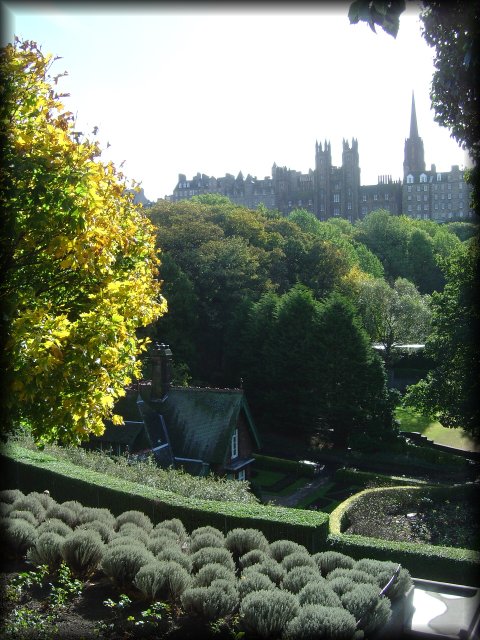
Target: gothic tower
414, 160
322, 180
351, 181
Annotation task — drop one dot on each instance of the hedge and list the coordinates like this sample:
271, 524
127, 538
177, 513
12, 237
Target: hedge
362, 478
270, 463
30, 470
426, 561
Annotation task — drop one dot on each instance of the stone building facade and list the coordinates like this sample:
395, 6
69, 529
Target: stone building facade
331, 192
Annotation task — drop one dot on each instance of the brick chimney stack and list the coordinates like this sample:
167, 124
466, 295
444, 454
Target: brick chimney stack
161, 358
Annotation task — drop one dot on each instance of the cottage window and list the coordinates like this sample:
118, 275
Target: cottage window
235, 444
409, 179
423, 178
241, 475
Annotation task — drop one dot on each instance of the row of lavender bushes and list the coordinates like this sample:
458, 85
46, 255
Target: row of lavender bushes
275, 590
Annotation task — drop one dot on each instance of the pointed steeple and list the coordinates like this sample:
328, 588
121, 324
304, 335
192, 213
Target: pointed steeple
413, 120
414, 155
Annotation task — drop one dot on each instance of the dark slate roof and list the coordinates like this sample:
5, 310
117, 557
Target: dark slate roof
201, 421
128, 434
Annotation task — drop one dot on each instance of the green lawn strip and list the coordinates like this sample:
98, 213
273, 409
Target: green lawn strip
265, 479
412, 421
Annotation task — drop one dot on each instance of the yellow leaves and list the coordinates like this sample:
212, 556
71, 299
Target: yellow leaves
118, 420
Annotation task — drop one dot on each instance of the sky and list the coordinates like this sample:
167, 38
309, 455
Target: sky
177, 88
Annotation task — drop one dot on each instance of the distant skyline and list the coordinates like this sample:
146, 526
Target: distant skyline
216, 89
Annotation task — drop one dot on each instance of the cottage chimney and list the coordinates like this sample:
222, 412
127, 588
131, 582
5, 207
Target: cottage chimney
161, 370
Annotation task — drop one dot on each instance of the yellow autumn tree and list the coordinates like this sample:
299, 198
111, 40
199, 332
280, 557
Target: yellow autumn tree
79, 260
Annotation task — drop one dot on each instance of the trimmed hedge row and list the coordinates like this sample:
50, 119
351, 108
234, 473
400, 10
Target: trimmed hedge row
430, 562
270, 463
362, 478
35, 471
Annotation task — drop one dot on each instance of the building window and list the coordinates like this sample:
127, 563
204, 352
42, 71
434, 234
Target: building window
409, 179
364, 211
409, 197
449, 196
336, 211
235, 444
409, 207
364, 198
241, 475
439, 177
336, 197
375, 197
423, 178
425, 187
409, 189
386, 196
419, 207
425, 197
425, 207
349, 205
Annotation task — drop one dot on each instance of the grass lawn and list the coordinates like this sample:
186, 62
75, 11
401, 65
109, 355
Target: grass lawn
413, 421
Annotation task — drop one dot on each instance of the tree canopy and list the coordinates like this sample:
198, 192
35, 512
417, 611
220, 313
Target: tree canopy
80, 263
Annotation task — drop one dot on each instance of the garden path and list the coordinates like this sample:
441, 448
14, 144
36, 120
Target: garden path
294, 498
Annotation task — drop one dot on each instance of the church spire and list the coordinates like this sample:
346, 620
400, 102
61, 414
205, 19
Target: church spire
413, 120
414, 156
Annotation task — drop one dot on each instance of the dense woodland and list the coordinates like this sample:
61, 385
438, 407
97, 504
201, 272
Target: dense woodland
288, 307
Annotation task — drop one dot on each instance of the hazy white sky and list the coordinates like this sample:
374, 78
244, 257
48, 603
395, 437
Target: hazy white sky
216, 89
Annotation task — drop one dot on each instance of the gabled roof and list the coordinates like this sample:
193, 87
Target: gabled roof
201, 421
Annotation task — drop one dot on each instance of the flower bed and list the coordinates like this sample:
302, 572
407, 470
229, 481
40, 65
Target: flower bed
165, 579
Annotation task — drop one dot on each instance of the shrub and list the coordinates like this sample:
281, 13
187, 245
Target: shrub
106, 532
282, 548
298, 559
96, 514
210, 603
63, 513
76, 507
205, 540
179, 578
124, 541
316, 621
5, 509
354, 574
213, 571
47, 550
23, 515
377, 618
239, 541
298, 577
254, 581
30, 503
253, 557
342, 584
319, 592
329, 560
44, 498
137, 517
149, 580
383, 571
83, 551
160, 543
134, 531
268, 611
162, 580
199, 531
18, 535
175, 554
212, 554
270, 568
175, 525
10, 495
124, 561
367, 606
54, 525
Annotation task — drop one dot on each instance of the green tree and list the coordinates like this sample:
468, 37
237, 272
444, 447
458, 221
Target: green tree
352, 387
393, 314
451, 389
81, 265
